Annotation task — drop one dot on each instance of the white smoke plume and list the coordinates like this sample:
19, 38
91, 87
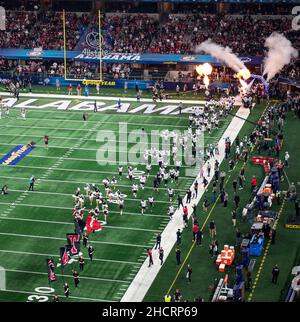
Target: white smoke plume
280, 54
223, 54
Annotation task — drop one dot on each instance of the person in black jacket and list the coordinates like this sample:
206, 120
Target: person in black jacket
180, 203
275, 273
178, 254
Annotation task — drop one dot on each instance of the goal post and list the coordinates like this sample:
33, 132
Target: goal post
84, 80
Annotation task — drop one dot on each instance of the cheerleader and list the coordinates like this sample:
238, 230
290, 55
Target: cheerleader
81, 200
91, 197
104, 209
134, 189
94, 212
105, 214
151, 202
87, 189
98, 196
121, 205
106, 182
76, 195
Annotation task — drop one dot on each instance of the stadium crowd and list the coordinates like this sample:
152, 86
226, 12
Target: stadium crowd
133, 33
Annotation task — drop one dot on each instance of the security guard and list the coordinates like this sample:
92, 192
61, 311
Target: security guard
167, 298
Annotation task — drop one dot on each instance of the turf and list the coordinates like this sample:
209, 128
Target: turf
34, 225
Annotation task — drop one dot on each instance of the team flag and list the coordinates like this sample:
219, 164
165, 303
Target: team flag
92, 224
64, 257
50, 267
74, 243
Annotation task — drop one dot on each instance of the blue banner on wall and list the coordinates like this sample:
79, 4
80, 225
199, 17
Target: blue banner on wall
90, 56
17, 154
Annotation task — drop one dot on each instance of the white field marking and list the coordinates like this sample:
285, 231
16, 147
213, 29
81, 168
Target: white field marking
70, 209
81, 277
70, 195
74, 138
57, 238
73, 129
80, 159
52, 255
107, 98
73, 170
80, 182
66, 223
61, 296
109, 122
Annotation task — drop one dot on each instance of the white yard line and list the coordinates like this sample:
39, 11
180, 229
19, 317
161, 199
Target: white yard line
79, 182
61, 296
81, 159
81, 277
145, 277
67, 223
58, 238
54, 168
73, 138
57, 256
18, 204
71, 195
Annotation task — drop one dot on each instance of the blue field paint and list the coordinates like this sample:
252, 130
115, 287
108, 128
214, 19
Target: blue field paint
17, 154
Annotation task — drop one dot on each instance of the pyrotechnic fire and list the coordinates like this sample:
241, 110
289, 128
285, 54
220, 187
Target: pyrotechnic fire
244, 73
204, 69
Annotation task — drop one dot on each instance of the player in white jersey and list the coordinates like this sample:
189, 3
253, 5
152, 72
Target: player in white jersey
166, 178
151, 202
135, 189
130, 173
142, 181
171, 193
171, 211
120, 170
143, 205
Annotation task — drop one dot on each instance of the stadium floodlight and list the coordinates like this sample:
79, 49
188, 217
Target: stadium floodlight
84, 80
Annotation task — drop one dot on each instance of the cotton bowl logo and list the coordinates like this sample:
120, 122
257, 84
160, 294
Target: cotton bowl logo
245, 59
35, 53
188, 58
92, 39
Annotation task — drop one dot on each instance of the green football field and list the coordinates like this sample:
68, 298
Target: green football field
33, 225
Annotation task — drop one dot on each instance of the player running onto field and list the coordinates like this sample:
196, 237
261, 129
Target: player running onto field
143, 205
